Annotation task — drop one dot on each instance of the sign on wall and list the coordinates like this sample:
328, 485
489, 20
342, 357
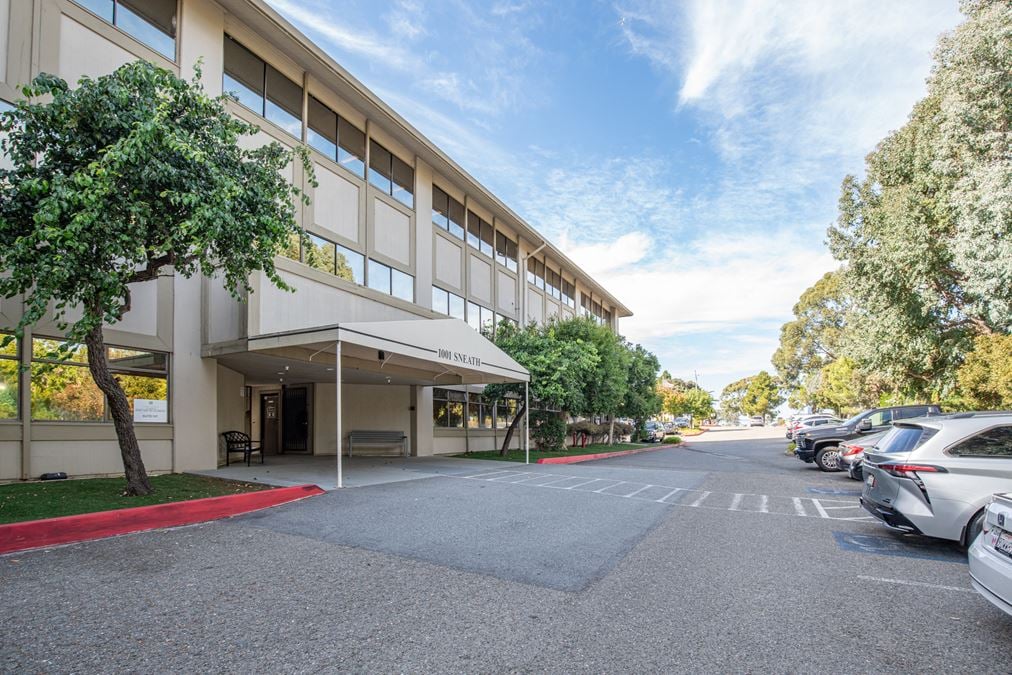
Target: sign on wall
149, 410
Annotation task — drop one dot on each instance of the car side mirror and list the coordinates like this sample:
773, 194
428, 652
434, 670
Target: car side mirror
865, 424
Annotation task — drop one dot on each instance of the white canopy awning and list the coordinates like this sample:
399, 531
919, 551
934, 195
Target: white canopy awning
442, 347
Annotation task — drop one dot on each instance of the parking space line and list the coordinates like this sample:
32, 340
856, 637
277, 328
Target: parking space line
607, 487
799, 508
922, 584
633, 494
502, 478
560, 480
735, 502
662, 499
529, 477
764, 504
588, 482
818, 507
700, 499
481, 476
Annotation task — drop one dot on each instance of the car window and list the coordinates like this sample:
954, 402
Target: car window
903, 439
995, 442
907, 413
881, 418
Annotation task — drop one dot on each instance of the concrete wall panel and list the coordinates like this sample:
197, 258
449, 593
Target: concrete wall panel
335, 204
447, 272
392, 233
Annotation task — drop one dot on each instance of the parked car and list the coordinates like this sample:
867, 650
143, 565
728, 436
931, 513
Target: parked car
852, 454
653, 432
991, 554
670, 428
683, 422
757, 421
935, 475
822, 444
811, 421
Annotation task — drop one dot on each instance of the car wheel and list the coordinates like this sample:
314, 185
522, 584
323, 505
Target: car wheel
973, 528
828, 458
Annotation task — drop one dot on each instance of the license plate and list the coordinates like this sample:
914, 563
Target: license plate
1003, 543
870, 480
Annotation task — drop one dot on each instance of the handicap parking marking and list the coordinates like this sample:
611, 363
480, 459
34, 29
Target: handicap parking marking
669, 495
901, 547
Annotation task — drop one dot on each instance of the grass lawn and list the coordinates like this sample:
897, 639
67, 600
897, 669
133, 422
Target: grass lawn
50, 499
694, 431
518, 455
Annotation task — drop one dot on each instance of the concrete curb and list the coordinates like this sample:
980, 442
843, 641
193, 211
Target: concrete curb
87, 526
575, 459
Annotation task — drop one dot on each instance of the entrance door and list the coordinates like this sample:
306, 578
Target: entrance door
295, 426
270, 423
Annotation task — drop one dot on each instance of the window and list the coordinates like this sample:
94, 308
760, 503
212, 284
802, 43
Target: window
335, 259
881, 418
995, 442
9, 381
480, 234
391, 175
553, 284
64, 391
479, 412
904, 439
594, 310
262, 88
479, 317
447, 213
908, 413
536, 273
151, 22
448, 408
505, 411
447, 303
568, 294
505, 251
391, 281
335, 137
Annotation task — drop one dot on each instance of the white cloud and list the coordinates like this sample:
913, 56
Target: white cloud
624, 252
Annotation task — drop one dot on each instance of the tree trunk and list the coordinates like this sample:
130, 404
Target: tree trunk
512, 427
119, 408
611, 432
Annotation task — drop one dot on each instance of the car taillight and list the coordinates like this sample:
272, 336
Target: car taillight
910, 471
851, 450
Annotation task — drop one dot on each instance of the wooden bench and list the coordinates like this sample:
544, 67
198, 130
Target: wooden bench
377, 439
237, 441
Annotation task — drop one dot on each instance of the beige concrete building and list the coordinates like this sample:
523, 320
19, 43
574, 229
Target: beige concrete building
415, 255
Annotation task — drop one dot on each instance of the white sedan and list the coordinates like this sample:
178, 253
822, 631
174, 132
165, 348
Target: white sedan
991, 555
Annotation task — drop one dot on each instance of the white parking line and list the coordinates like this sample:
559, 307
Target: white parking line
482, 476
799, 508
818, 507
529, 477
700, 499
764, 504
736, 502
607, 487
633, 494
923, 584
513, 474
588, 482
661, 500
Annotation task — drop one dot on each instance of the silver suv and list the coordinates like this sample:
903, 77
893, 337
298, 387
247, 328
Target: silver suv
935, 475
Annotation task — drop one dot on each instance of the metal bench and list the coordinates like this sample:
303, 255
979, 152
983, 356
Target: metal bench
237, 441
378, 439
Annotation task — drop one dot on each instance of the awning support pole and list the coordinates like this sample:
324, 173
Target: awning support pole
337, 385
527, 426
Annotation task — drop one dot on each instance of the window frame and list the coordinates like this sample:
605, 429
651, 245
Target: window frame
950, 451
387, 182
342, 155
265, 95
18, 380
115, 23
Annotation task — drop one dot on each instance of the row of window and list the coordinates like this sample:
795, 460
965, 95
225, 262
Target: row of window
551, 282
477, 316
341, 261
448, 214
263, 89
64, 390
150, 22
453, 409
594, 310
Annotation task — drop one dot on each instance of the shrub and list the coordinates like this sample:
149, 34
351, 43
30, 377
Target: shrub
547, 431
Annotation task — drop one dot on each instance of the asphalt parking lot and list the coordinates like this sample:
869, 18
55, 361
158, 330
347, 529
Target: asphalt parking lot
724, 555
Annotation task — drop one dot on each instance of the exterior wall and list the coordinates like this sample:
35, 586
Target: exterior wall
232, 403
364, 407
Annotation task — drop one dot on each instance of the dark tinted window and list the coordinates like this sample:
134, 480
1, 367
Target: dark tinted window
995, 442
908, 413
881, 418
351, 147
152, 22
904, 439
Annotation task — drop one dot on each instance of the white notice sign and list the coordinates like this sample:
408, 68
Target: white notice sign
149, 410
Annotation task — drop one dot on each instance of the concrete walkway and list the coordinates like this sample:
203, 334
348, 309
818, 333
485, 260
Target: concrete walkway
321, 470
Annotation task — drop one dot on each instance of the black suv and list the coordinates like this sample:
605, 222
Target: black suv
822, 444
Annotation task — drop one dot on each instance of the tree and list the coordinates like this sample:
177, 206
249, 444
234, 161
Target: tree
844, 387
926, 237
732, 399
694, 402
558, 368
985, 378
605, 388
126, 178
762, 397
641, 400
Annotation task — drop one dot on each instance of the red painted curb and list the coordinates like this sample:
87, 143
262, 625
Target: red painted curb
88, 526
574, 459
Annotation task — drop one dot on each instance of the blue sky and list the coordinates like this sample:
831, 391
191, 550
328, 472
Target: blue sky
687, 154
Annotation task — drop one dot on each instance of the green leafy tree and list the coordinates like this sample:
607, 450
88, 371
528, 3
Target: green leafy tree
926, 237
126, 178
985, 378
732, 399
641, 401
559, 369
694, 402
762, 397
844, 387
605, 389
